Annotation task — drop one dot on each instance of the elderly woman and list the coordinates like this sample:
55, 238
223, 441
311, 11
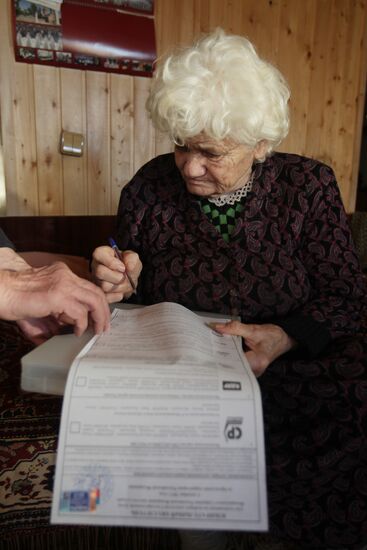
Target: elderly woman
227, 225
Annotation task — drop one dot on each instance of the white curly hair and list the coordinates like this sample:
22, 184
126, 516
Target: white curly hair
220, 87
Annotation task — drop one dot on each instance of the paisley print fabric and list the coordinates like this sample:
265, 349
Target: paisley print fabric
290, 261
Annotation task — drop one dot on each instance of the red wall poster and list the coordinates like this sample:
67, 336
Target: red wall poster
102, 35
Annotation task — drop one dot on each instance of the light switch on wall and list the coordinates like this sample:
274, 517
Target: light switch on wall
71, 144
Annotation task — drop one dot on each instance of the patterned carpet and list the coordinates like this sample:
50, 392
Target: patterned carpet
29, 424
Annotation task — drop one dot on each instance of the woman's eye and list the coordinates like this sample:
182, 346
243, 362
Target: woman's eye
207, 154
211, 155
182, 148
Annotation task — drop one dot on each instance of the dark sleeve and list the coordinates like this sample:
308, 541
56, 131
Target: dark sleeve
310, 334
130, 214
4, 241
338, 299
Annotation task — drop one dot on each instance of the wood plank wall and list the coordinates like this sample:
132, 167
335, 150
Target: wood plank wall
319, 45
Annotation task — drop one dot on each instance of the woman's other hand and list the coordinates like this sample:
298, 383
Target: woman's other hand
110, 273
263, 343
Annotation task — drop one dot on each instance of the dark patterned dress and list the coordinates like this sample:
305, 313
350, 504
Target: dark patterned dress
290, 261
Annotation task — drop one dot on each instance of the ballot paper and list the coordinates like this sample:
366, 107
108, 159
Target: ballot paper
161, 427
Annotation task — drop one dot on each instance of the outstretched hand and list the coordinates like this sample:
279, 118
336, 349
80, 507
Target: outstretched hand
262, 343
110, 273
40, 330
49, 297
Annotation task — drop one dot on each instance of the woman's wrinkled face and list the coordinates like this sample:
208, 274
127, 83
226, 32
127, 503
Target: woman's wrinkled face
210, 168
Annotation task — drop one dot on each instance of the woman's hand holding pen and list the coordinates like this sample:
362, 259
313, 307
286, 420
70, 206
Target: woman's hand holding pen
110, 272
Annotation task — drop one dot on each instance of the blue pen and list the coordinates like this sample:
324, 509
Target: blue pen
117, 252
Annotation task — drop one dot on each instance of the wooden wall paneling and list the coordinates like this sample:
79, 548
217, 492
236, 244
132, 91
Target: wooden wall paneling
201, 17
218, 15
98, 142
260, 19
6, 99
332, 105
23, 191
48, 128
187, 21
295, 36
174, 23
234, 18
183, 26
338, 103
246, 19
166, 35
144, 134
361, 14
122, 135
315, 120
73, 119
336, 81
17, 126
346, 130
180, 16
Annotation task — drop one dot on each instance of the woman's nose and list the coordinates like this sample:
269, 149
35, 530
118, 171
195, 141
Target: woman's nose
194, 166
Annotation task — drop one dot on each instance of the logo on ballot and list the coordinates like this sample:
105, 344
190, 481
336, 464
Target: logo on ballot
231, 385
233, 428
80, 501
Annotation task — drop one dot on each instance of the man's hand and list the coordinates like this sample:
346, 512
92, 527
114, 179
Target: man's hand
263, 343
52, 291
10, 260
40, 330
110, 273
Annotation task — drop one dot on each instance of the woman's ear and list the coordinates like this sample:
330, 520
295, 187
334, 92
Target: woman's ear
261, 148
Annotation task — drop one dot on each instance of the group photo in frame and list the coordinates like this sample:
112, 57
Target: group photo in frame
103, 35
